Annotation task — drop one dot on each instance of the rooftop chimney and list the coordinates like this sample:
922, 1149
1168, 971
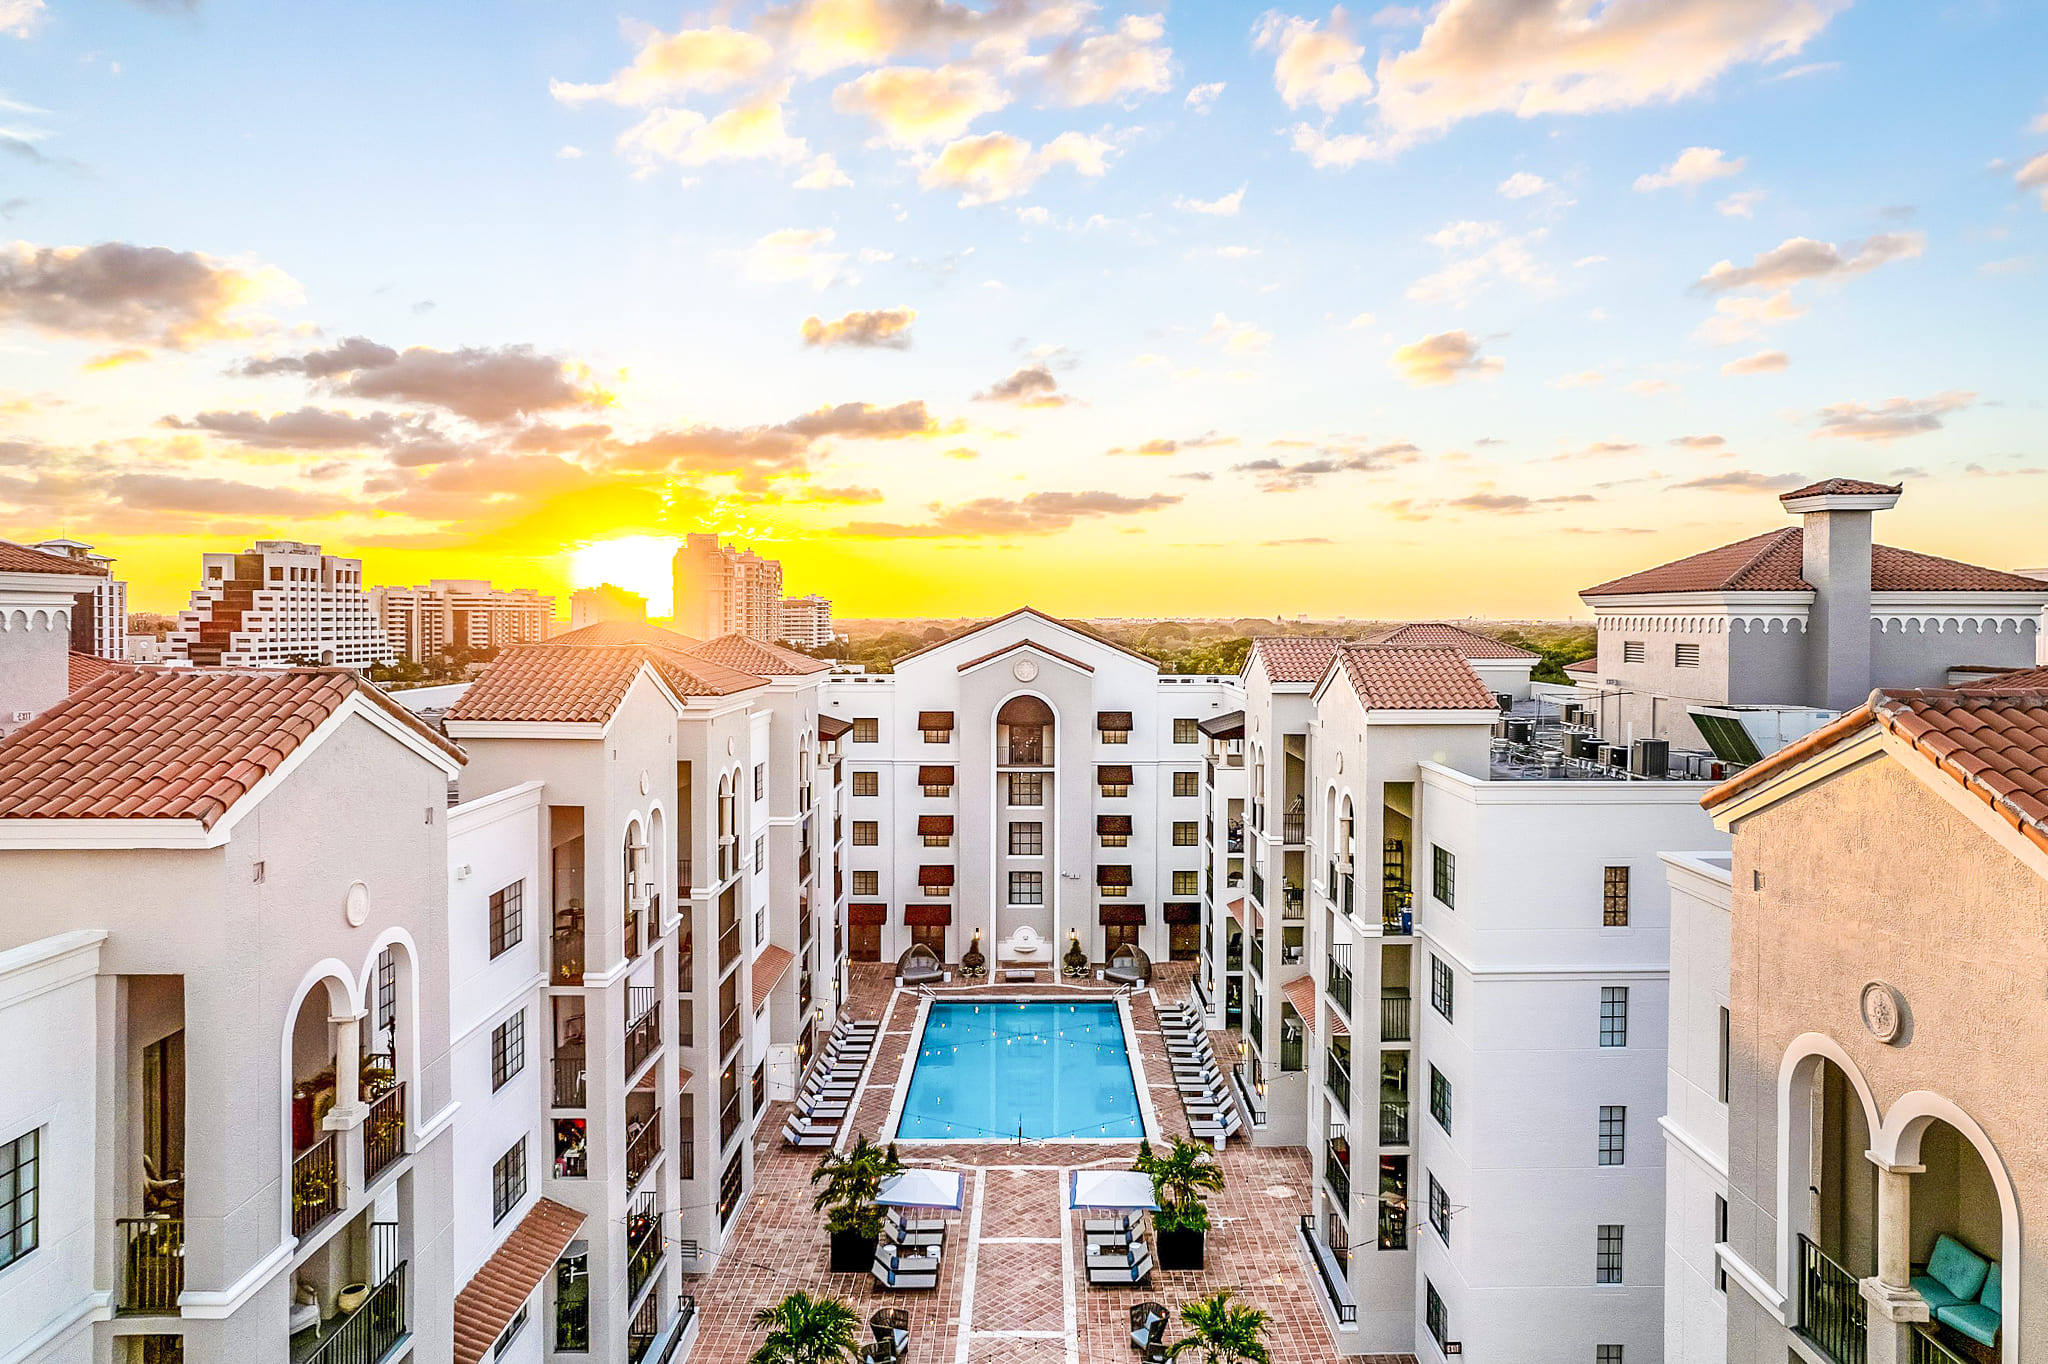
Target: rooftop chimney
1835, 559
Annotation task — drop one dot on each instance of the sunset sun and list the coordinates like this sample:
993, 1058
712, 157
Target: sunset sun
638, 563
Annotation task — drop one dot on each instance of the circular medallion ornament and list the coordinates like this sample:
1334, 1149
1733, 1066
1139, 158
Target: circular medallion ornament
646, 783
1024, 669
356, 908
1884, 1011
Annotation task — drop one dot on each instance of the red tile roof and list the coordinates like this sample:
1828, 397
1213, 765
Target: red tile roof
622, 632
1033, 611
1587, 666
1771, 563
1295, 658
1842, 487
751, 655
1301, 993
21, 559
145, 743
769, 968
91, 668
1443, 635
583, 684
1388, 677
489, 1301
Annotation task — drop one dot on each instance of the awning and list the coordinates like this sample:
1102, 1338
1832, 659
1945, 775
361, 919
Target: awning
1113, 824
1110, 1189
928, 915
1338, 1027
495, 1293
867, 914
1301, 993
921, 1189
1112, 775
770, 967
934, 876
831, 727
1113, 876
1113, 720
1236, 908
934, 824
1183, 912
1229, 725
935, 719
1114, 916
932, 775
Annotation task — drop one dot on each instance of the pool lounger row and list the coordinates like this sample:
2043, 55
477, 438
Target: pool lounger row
908, 1251
1204, 1092
821, 1107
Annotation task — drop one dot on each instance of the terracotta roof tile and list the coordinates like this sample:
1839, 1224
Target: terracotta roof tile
91, 668
1301, 993
1771, 563
21, 559
1842, 486
1077, 628
1585, 666
172, 744
1295, 659
622, 632
491, 1298
751, 655
1388, 677
583, 684
769, 968
1443, 635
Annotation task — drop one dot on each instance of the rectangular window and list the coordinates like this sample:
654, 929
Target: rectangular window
938, 840
1110, 840
1187, 833
866, 730
1720, 1239
1631, 651
1606, 1354
20, 1187
1027, 838
507, 921
760, 781
508, 1050
1186, 731
1440, 1210
1686, 655
1613, 1134
1027, 788
1721, 1087
1433, 1315
1114, 736
938, 736
1440, 985
761, 853
510, 1333
1607, 1254
508, 1181
1614, 898
866, 833
1187, 883
1027, 887
1187, 783
1614, 1015
1445, 884
1116, 789
1440, 1099
867, 783
937, 892
867, 883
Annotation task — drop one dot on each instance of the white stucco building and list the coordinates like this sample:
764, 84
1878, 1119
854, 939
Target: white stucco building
280, 604
468, 613
100, 624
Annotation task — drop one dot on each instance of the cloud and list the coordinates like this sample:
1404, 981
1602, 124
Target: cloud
1763, 362
822, 172
1127, 61
914, 106
309, 428
1741, 204
1275, 475
751, 130
115, 359
1743, 481
1225, 206
1030, 386
1523, 184
793, 254
1467, 276
486, 384
1693, 168
2034, 175
825, 35
883, 328
1893, 418
168, 492
1463, 233
674, 64
1699, 442
569, 153
1588, 378
1035, 514
19, 18
1298, 540
992, 167
1803, 258
133, 295
1237, 338
1203, 98
1313, 64
1740, 319
355, 352
1441, 359
1166, 446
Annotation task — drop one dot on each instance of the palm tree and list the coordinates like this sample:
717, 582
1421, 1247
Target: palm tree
807, 1330
851, 1183
1179, 1179
1221, 1332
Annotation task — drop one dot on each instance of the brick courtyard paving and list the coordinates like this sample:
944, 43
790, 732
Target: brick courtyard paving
1021, 1304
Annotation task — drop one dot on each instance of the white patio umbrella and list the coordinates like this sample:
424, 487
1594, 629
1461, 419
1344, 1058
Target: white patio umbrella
1110, 1189
921, 1189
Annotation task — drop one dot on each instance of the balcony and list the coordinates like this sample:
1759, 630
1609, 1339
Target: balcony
1337, 1169
1338, 1076
1339, 985
728, 946
570, 1070
1294, 828
371, 1333
1393, 1121
686, 1154
1831, 1307
632, 929
1397, 913
803, 995
152, 1264
1259, 886
1290, 902
1026, 753
1928, 1349
566, 949
728, 1120
728, 1033
643, 1025
1330, 1270
643, 1245
1393, 1015
1258, 942
384, 1132
642, 1147
1349, 888
316, 1185
1249, 1093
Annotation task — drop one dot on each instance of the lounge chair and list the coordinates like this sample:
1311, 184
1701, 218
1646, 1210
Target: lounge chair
1148, 1325
919, 1273
796, 1134
1220, 1130
1124, 1272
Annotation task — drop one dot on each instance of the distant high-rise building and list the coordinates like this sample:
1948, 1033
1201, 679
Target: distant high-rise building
466, 613
807, 621
589, 605
278, 604
720, 590
99, 626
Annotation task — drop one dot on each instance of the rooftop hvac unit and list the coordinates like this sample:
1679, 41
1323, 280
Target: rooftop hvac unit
1614, 755
1504, 701
1649, 758
1585, 746
1519, 728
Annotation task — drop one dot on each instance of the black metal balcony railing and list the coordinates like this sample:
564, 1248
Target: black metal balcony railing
643, 1250
567, 948
1340, 985
1332, 864
383, 1250
1259, 886
728, 1121
1293, 828
1338, 1076
632, 931
1393, 1121
1393, 1226
1233, 956
1248, 1094
1393, 1015
1339, 1296
1831, 1307
642, 1148
1928, 1349
803, 995
384, 1132
728, 1032
728, 946
1350, 889
1337, 1173
1258, 956
1027, 753
643, 1328
152, 1263
686, 1157
316, 1185
370, 1332
1290, 902
570, 1089
643, 1025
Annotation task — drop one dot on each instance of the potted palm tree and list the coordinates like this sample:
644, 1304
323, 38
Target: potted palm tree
807, 1330
1180, 1177
848, 1199
1221, 1332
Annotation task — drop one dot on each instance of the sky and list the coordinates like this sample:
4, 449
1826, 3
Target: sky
1209, 309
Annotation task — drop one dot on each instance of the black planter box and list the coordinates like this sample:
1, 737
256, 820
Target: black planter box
1180, 1249
852, 1253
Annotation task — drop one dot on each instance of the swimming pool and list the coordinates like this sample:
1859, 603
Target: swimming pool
1049, 1070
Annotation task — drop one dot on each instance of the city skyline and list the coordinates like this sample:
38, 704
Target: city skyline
1227, 311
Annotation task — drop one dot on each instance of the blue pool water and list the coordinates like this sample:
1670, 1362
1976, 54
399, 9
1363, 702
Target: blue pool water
1050, 1069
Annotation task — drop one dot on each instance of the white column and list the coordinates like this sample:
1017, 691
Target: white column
1893, 1304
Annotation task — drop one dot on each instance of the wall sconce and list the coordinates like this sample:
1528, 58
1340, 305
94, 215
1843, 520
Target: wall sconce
1242, 1047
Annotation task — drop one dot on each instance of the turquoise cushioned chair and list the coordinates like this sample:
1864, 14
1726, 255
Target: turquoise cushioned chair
1954, 1275
1978, 1320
